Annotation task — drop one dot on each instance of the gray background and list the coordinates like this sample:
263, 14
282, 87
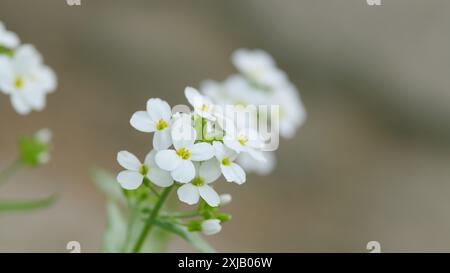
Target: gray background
371, 163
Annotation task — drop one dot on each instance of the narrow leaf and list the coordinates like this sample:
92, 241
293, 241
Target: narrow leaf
191, 237
115, 234
18, 206
108, 184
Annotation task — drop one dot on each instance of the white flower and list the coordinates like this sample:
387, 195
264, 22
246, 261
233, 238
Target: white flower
211, 227
202, 105
245, 140
206, 173
135, 172
156, 119
225, 199
26, 79
230, 170
249, 164
179, 161
8, 39
292, 112
258, 66
235, 90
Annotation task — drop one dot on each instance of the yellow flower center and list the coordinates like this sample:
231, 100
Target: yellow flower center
198, 182
184, 153
161, 125
204, 108
226, 161
19, 83
242, 140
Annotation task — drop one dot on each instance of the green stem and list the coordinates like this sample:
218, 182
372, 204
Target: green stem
9, 171
187, 214
149, 223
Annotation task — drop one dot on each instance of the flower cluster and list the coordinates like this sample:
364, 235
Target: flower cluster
186, 152
23, 75
193, 149
259, 82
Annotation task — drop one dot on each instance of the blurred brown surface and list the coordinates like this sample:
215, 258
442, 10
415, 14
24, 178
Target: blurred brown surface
371, 163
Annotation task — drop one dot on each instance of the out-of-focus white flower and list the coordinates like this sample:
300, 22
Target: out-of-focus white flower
261, 83
230, 170
225, 199
136, 171
8, 39
258, 66
235, 90
202, 105
211, 227
26, 79
156, 119
292, 112
206, 173
249, 164
179, 160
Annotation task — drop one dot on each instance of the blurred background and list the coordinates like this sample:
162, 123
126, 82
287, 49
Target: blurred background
372, 161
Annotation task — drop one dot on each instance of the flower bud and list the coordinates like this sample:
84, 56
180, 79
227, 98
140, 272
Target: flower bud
194, 225
35, 150
211, 227
224, 217
225, 199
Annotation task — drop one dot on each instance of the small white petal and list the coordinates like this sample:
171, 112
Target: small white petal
233, 173
162, 139
221, 151
201, 151
128, 160
211, 227
184, 173
193, 97
257, 155
159, 177
20, 105
158, 109
188, 194
35, 98
167, 160
210, 171
249, 164
130, 180
233, 144
209, 195
44, 135
141, 121
183, 134
150, 159
47, 79
26, 59
225, 199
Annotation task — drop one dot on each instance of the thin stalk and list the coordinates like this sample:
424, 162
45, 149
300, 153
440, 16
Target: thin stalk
149, 222
9, 171
187, 214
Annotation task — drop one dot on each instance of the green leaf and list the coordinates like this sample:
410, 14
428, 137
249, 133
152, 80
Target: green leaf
191, 237
20, 206
108, 184
116, 231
